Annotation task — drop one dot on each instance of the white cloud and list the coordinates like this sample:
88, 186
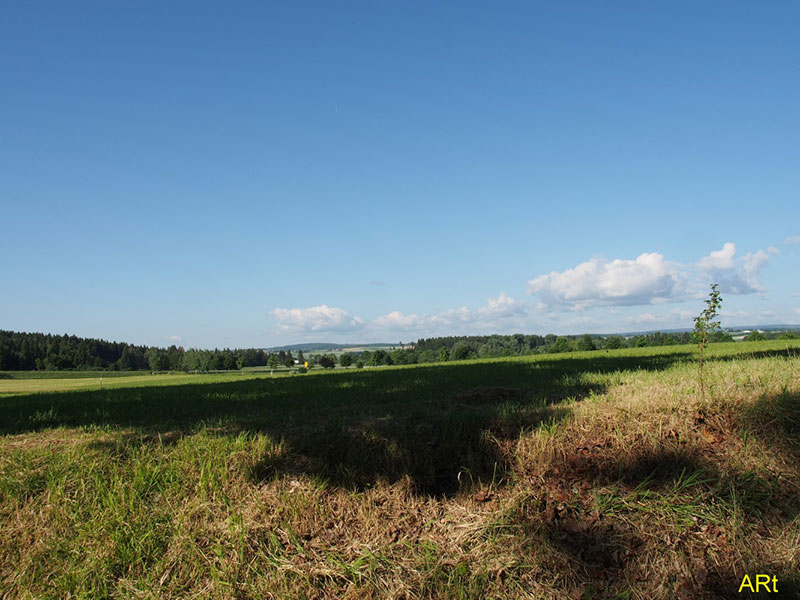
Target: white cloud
500, 307
719, 259
494, 314
752, 264
396, 320
642, 319
578, 324
647, 280
595, 286
795, 239
735, 314
735, 276
174, 338
681, 314
316, 318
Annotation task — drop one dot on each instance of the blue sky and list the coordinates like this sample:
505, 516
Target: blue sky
250, 174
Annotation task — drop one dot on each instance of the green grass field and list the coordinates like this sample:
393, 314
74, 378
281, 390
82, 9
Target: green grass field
68, 374
31, 385
586, 475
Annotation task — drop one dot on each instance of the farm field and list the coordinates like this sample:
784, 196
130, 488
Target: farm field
68, 374
584, 475
29, 384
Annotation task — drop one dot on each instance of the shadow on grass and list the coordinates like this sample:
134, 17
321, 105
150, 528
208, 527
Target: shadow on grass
448, 451
122, 445
790, 351
271, 400
444, 426
588, 501
775, 421
586, 520
691, 475
776, 417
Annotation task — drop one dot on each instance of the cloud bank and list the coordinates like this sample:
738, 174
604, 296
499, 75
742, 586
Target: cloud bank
735, 276
605, 292
321, 318
648, 279
326, 319
496, 309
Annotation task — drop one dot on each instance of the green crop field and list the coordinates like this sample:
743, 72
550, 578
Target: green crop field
584, 475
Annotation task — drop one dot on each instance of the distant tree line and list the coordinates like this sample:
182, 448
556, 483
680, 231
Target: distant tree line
443, 349
463, 347
47, 352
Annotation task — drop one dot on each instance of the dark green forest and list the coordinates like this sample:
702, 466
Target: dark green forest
47, 352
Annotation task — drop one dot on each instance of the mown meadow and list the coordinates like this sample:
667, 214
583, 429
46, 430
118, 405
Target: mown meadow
31, 382
585, 475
